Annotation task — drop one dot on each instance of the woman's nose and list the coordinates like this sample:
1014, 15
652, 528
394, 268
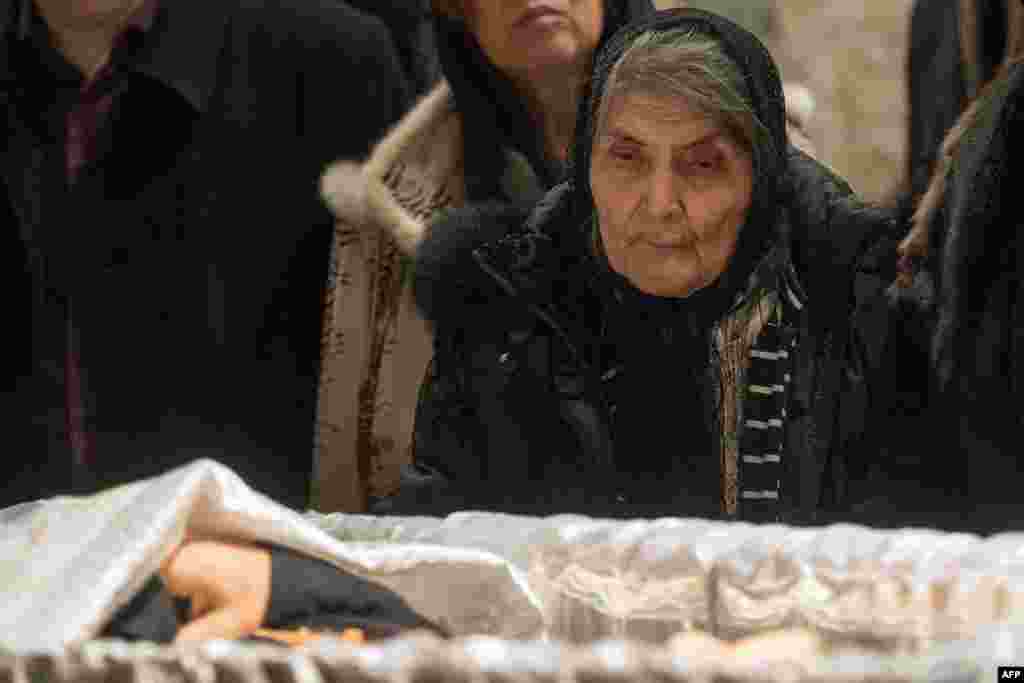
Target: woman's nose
662, 199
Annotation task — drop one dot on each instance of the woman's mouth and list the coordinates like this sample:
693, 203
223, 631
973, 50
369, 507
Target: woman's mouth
540, 14
668, 244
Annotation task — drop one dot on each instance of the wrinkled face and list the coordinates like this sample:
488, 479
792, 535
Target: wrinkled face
522, 35
672, 190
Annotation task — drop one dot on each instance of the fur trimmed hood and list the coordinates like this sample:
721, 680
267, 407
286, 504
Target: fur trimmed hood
410, 174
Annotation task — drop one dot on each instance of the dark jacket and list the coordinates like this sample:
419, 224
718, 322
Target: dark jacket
193, 253
523, 411
959, 413
412, 31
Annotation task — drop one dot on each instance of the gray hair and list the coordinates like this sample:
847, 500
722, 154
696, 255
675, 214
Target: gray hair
688, 66
683, 65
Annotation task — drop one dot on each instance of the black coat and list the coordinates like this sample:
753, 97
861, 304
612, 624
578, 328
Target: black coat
956, 379
413, 34
514, 418
193, 253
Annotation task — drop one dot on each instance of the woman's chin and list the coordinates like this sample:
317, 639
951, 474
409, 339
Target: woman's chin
552, 52
667, 288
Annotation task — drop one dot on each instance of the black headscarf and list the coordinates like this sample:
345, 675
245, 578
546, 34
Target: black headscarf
764, 86
658, 348
493, 113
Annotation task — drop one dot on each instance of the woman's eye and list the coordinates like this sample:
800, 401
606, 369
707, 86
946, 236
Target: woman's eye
705, 159
625, 155
706, 164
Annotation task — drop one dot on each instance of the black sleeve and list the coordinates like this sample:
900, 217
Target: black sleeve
443, 466
464, 306
304, 592
152, 615
309, 592
411, 26
897, 477
836, 236
351, 85
845, 253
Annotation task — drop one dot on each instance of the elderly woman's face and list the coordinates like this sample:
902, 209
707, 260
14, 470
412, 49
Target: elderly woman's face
672, 190
522, 35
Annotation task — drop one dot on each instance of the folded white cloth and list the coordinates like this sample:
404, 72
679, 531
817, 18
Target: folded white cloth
68, 564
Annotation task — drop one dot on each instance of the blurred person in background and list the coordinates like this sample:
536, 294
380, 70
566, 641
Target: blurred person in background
952, 360
673, 331
166, 248
955, 48
497, 128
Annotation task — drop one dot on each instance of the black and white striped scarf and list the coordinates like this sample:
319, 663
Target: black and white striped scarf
755, 348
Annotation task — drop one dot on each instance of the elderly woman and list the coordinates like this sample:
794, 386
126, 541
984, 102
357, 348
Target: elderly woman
675, 330
496, 128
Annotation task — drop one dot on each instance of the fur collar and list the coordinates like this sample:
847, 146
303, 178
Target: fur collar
412, 172
448, 277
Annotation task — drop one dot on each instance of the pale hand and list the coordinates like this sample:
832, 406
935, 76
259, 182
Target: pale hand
228, 585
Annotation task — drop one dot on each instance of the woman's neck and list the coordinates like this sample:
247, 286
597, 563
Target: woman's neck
87, 42
552, 98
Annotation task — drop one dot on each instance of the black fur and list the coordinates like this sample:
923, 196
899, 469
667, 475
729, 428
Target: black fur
447, 276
